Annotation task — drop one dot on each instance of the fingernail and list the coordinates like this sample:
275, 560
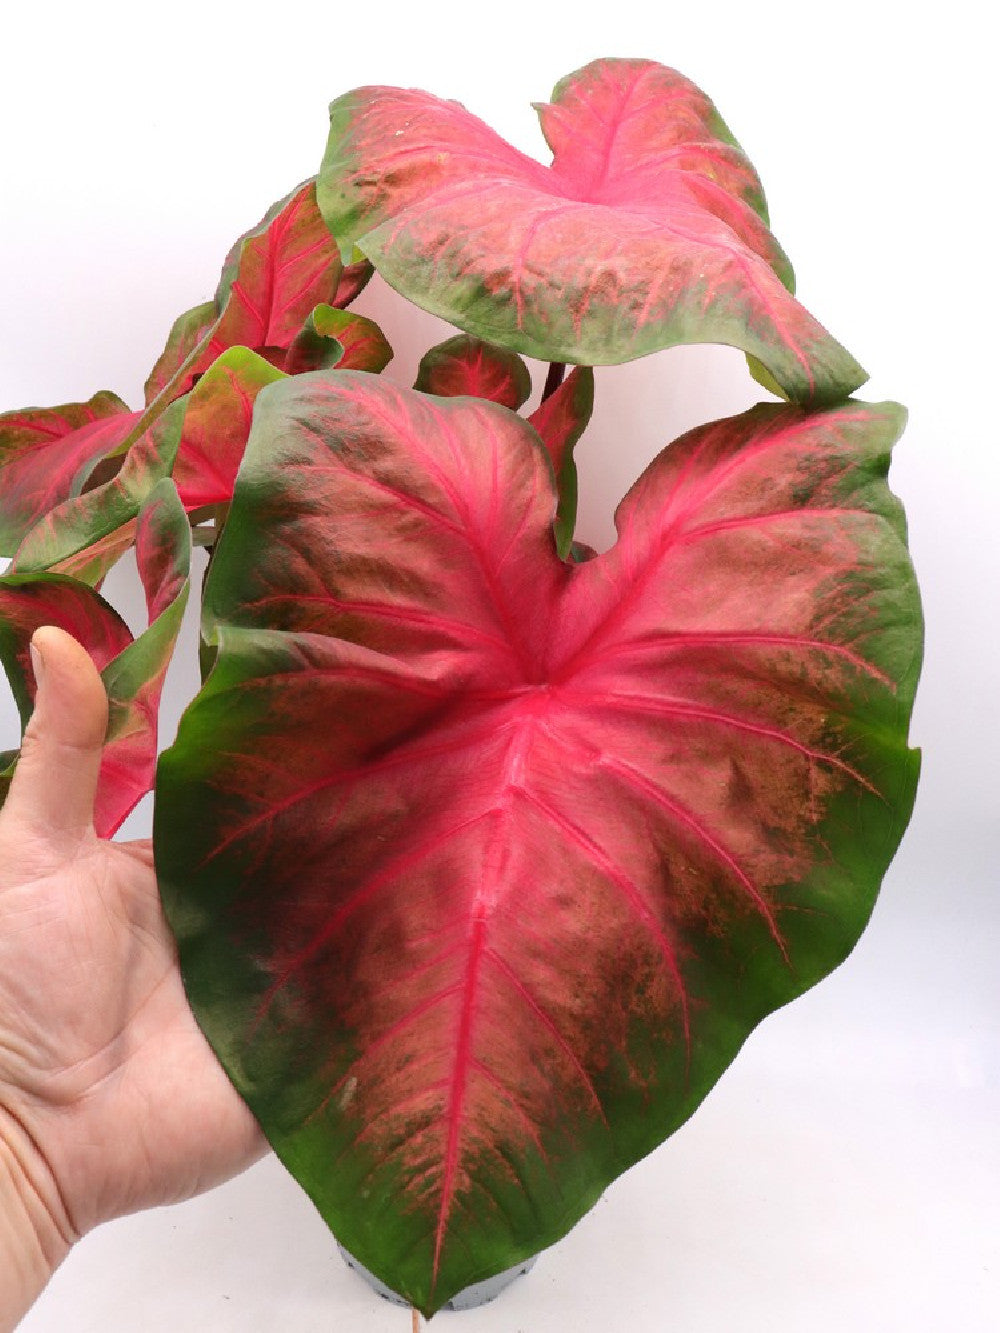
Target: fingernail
37, 665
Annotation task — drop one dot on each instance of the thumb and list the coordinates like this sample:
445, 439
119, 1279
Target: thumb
55, 781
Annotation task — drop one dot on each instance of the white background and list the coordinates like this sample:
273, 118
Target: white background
844, 1173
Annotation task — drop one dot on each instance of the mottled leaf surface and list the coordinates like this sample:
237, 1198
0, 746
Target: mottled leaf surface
647, 230
483, 864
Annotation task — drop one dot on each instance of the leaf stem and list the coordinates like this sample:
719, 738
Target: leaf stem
557, 369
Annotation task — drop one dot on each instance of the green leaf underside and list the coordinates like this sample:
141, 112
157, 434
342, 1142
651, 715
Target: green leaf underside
647, 231
8, 762
483, 864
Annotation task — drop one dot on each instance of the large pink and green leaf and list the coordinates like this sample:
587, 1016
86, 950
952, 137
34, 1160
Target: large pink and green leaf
648, 229
132, 669
482, 864
271, 281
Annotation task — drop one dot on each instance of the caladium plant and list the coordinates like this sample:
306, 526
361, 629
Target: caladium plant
485, 852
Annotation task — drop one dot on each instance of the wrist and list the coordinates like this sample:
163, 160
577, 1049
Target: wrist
32, 1242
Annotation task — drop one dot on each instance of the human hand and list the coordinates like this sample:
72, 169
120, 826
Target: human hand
110, 1097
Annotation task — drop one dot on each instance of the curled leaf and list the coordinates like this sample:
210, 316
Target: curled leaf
339, 338
648, 229
198, 439
47, 453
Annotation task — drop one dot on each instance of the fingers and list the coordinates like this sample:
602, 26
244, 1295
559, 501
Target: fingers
54, 784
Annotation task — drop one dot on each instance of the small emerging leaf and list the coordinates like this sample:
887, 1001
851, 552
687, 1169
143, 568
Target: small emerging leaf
469, 366
332, 337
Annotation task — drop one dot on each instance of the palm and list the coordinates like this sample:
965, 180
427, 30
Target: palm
120, 1091
101, 1061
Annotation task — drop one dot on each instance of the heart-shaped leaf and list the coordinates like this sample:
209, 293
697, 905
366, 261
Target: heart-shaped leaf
482, 864
648, 230
273, 277
466, 365
133, 670
47, 453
